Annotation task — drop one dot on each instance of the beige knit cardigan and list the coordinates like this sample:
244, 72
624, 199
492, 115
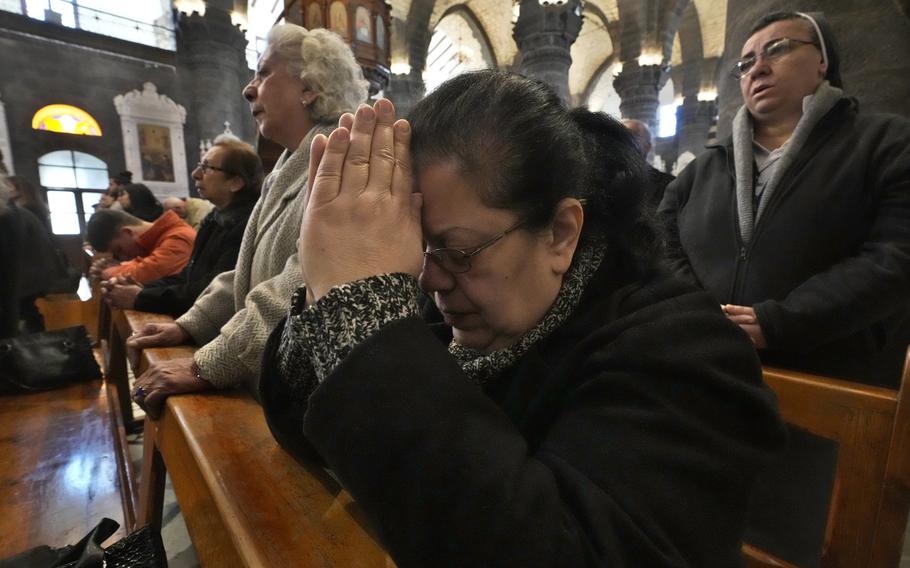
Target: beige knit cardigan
235, 314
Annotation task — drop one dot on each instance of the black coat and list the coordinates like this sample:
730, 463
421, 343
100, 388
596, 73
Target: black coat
215, 251
629, 437
12, 249
828, 267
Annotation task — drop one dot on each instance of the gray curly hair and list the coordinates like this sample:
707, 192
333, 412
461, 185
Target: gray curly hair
325, 64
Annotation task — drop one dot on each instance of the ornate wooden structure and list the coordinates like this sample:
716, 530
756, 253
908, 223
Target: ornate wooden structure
364, 24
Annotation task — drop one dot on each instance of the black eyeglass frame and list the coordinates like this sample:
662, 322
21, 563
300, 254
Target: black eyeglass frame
742, 66
439, 255
205, 167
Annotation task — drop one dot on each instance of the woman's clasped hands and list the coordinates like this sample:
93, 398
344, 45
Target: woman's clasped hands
361, 216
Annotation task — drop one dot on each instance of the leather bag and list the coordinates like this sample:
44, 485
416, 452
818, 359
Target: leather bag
46, 360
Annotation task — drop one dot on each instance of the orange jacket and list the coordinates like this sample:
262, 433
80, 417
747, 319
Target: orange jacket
169, 242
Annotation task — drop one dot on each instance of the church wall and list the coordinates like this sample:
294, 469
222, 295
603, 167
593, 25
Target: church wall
41, 64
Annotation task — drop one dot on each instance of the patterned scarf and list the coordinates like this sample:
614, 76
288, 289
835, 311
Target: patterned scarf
484, 367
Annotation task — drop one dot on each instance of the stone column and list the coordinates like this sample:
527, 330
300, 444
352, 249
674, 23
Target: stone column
405, 90
544, 35
694, 119
638, 86
211, 61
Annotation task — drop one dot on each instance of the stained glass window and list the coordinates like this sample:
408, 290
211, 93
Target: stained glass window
66, 119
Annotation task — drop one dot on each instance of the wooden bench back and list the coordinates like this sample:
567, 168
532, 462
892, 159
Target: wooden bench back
871, 498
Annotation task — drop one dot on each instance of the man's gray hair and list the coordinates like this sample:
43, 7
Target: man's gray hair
325, 64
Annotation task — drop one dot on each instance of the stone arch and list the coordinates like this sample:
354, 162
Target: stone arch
476, 25
589, 57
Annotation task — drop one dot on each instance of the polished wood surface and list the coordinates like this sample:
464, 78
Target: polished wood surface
245, 501
58, 471
871, 498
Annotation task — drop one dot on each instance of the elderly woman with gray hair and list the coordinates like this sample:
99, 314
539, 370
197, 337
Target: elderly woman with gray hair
305, 81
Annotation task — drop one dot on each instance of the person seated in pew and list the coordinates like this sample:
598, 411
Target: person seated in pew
799, 223
139, 201
229, 177
577, 407
191, 209
142, 251
304, 81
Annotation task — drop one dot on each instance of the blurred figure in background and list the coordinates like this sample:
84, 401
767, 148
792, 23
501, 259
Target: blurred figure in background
139, 201
659, 180
27, 196
191, 209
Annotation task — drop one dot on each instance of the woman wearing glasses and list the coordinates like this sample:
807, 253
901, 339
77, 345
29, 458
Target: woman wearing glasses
305, 80
576, 407
229, 177
799, 224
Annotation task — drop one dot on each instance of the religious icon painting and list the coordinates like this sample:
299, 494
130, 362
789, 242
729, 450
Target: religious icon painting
362, 25
380, 32
338, 18
314, 17
155, 153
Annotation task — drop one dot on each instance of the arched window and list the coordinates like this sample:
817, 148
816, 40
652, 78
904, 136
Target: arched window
74, 183
66, 119
458, 45
666, 118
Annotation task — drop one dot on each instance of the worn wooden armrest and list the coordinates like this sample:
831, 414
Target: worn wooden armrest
871, 496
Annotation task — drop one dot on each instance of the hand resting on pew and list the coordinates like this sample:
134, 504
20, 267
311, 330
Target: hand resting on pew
163, 379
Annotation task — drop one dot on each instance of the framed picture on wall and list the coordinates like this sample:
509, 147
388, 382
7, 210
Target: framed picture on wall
153, 143
362, 25
314, 17
338, 16
155, 153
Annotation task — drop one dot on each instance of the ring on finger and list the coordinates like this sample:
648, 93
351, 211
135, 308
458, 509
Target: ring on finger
139, 395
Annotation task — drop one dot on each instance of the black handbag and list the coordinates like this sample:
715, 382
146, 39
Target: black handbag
141, 549
46, 360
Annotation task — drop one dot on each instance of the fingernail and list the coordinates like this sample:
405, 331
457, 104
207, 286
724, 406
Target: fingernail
384, 107
403, 127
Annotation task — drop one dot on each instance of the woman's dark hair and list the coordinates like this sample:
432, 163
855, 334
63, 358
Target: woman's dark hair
143, 203
527, 152
831, 49
30, 198
241, 160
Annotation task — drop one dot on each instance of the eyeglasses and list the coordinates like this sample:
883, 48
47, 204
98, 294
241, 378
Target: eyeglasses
206, 167
771, 51
458, 261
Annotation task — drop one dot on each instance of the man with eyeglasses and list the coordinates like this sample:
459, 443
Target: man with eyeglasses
799, 224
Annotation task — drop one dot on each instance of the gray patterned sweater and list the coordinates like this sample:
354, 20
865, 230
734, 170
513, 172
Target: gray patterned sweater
233, 317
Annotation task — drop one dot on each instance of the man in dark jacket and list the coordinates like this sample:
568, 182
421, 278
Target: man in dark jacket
800, 223
230, 176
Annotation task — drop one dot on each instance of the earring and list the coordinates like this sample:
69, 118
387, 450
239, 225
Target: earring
304, 102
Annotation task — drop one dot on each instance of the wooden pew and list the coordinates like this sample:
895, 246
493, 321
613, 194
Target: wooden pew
245, 501
58, 470
868, 512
